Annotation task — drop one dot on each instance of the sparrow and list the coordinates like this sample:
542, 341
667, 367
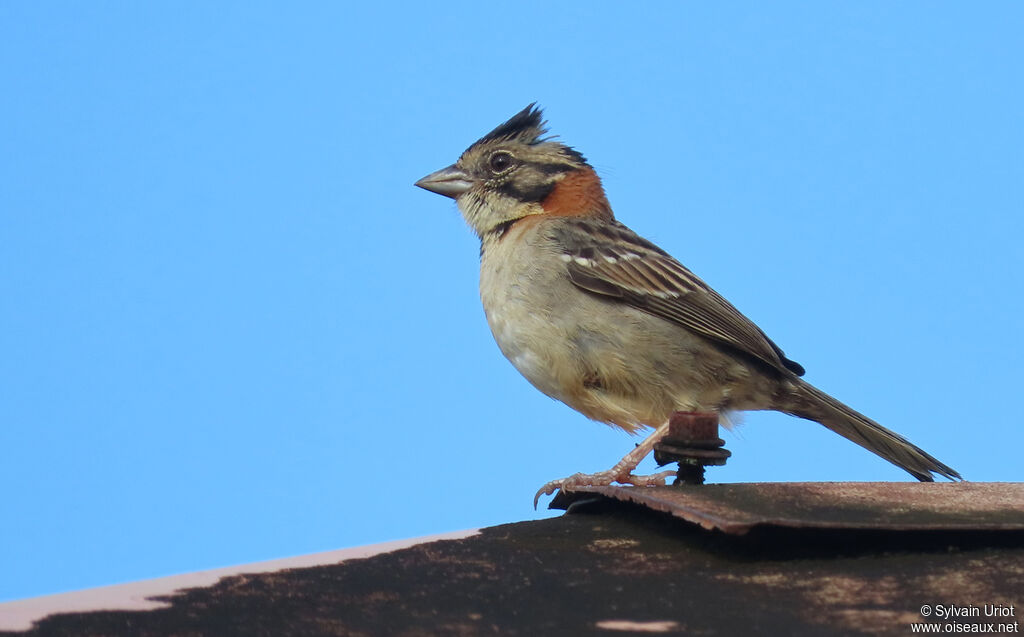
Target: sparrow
596, 316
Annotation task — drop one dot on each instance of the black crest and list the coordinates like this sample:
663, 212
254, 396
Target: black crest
527, 125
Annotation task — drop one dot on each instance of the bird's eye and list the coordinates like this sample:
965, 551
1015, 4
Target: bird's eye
501, 161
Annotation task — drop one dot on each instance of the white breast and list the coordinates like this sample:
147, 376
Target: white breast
516, 291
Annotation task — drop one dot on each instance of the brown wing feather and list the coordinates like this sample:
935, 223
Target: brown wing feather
614, 261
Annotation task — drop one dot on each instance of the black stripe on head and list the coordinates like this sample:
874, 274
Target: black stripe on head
526, 125
574, 154
555, 168
552, 169
532, 194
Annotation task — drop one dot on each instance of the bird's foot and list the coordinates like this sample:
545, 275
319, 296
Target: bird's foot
603, 479
622, 472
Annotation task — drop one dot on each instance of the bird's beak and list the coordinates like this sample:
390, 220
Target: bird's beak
450, 182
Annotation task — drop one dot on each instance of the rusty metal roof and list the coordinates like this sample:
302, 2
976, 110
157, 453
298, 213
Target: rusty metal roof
884, 506
624, 565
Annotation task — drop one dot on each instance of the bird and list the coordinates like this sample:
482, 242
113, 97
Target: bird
605, 321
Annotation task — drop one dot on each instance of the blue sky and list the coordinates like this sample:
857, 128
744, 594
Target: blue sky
232, 330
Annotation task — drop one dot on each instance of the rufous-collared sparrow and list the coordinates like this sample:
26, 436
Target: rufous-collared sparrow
605, 321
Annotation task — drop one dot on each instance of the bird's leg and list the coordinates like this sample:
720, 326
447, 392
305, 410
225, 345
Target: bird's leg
622, 472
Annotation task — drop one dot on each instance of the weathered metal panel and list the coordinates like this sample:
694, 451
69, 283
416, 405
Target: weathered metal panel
883, 506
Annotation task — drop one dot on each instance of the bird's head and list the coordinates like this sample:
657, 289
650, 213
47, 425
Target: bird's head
515, 171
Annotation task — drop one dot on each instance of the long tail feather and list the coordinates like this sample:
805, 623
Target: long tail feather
811, 403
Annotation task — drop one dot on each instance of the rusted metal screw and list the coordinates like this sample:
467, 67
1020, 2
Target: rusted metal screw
693, 442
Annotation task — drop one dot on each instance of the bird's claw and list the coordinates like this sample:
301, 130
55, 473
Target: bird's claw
602, 479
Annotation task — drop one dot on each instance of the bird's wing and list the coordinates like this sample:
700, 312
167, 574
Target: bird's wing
611, 260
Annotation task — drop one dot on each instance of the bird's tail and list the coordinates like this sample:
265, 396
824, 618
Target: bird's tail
807, 401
